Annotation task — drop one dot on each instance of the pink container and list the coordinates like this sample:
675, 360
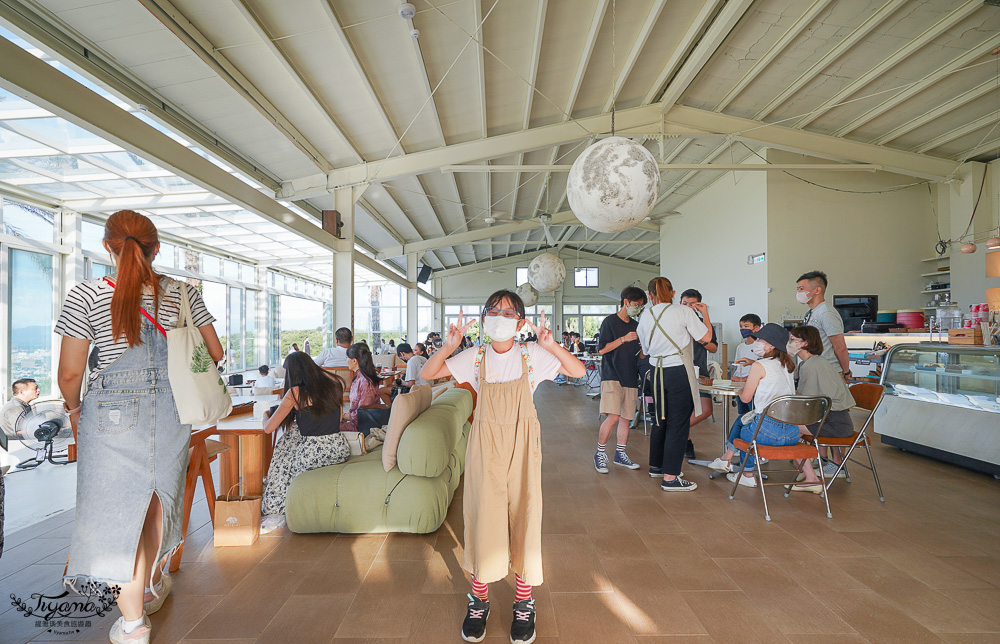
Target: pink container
910, 319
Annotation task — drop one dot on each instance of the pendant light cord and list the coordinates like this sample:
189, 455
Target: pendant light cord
614, 21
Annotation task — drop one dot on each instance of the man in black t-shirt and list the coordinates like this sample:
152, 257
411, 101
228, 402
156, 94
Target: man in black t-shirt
700, 358
619, 344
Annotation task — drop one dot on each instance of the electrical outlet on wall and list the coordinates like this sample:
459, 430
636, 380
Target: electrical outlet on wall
732, 301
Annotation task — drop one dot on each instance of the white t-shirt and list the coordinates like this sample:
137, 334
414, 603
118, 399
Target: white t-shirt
680, 322
264, 381
504, 367
332, 357
829, 323
413, 367
743, 351
776, 382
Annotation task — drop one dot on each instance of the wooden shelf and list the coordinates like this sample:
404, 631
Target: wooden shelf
935, 273
934, 259
937, 290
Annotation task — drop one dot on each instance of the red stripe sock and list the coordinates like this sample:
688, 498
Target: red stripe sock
522, 590
480, 589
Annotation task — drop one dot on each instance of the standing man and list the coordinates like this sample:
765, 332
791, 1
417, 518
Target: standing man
811, 289
619, 344
700, 357
25, 392
305, 346
336, 356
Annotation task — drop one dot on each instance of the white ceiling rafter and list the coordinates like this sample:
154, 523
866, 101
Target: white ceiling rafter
845, 45
395, 202
310, 93
700, 23
983, 148
934, 114
959, 132
817, 7
174, 20
983, 49
633, 53
914, 45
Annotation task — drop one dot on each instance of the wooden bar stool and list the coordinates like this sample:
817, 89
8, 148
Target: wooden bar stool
203, 452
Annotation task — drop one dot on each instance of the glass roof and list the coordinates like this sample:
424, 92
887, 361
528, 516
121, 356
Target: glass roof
65, 165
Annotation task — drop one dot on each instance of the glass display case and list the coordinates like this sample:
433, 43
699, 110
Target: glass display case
943, 400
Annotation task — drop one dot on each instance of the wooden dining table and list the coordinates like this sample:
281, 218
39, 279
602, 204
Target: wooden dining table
244, 465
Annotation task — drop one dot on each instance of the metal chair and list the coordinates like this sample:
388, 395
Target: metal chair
794, 410
867, 396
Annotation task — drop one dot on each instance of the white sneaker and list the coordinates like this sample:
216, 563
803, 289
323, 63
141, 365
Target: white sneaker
272, 522
720, 465
138, 636
162, 589
747, 481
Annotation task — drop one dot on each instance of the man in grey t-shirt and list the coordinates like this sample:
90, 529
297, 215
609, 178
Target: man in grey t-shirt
810, 289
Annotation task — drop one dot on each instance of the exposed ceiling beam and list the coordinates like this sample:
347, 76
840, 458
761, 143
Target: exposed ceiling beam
35, 80
717, 32
573, 241
176, 22
667, 167
983, 49
310, 93
399, 206
848, 42
492, 147
379, 269
524, 257
813, 144
984, 148
959, 132
633, 54
708, 159
39, 25
709, 8
817, 7
912, 46
934, 114
202, 200
373, 212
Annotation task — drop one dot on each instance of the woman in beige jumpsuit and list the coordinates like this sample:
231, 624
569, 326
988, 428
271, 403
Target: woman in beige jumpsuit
503, 467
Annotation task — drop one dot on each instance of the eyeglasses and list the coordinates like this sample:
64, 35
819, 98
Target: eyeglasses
493, 311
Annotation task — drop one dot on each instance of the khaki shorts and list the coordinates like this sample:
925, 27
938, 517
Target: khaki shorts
617, 400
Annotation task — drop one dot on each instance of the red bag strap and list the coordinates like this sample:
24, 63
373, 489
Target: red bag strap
141, 310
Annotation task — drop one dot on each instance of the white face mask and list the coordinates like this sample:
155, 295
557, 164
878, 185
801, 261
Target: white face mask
500, 328
758, 349
794, 346
633, 311
802, 297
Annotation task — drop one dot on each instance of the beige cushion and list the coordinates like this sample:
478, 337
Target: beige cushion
425, 397
405, 408
437, 390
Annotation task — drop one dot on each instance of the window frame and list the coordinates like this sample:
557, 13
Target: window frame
585, 271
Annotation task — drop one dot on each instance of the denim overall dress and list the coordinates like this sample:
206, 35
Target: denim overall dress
131, 445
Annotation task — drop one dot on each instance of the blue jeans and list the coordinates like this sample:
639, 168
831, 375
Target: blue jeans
772, 432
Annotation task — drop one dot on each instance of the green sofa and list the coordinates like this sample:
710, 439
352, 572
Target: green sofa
359, 496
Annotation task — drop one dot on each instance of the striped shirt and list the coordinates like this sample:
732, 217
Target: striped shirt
86, 314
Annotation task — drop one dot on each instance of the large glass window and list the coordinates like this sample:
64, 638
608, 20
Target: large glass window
274, 329
214, 295
520, 275
31, 317
250, 329
592, 315
235, 362
167, 255
92, 237
585, 277
97, 270
300, 319
425, 315
22, 220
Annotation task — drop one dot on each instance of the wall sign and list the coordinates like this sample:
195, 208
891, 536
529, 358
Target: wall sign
756, 259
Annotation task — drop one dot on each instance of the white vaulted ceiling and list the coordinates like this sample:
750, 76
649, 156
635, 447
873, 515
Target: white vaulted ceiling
306, 91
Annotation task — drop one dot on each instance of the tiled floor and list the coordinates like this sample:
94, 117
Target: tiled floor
624, 562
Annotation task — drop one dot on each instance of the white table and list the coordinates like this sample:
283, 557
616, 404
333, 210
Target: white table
727, 389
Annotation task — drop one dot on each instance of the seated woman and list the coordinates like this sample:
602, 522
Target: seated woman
364, 388
819, 378
310, 414
770, 377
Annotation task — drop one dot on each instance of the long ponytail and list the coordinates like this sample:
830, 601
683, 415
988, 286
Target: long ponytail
660, 288
133, 240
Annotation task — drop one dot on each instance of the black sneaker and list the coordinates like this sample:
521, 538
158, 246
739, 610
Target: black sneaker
522, 629
689, 451
678, 485
656, 472
474, 626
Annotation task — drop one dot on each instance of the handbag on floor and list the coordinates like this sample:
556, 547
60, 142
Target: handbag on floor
237, 520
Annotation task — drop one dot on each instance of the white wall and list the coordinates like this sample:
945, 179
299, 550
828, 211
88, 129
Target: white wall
865, 243
706, 248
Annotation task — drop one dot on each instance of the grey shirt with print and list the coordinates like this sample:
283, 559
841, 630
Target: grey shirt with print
828, 322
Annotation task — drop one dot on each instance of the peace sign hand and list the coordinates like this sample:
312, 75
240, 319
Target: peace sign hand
545, 337
456, 333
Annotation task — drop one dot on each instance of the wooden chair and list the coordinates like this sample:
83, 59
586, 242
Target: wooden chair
867, 396
203, 452
346, 377
387, 360
794, 410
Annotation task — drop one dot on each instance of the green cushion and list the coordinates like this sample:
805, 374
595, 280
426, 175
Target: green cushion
426, 445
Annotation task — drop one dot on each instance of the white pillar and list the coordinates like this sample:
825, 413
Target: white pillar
412, 319
74, 271
343, 262
262, 335
438, 316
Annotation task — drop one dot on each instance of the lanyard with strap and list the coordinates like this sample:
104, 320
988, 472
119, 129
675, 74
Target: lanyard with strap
657, 375
141, 310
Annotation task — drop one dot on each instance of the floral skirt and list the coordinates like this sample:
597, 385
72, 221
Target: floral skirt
295, 454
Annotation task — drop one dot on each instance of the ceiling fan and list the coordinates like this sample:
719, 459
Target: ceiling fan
495, 270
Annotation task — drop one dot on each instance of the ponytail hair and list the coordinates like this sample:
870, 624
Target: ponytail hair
132, 238
660, 288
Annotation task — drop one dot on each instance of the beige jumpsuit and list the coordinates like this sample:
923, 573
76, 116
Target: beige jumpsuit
503, 484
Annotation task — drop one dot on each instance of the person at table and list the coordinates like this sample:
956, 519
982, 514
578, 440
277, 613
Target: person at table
391, 347
749, 324
619, 346
294, 349
666, 333
133, 450
700, 357
810, 289
265, 379
336, 356
364, 389
25, 391
415, 360
309, 413
820, 378
770, 378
